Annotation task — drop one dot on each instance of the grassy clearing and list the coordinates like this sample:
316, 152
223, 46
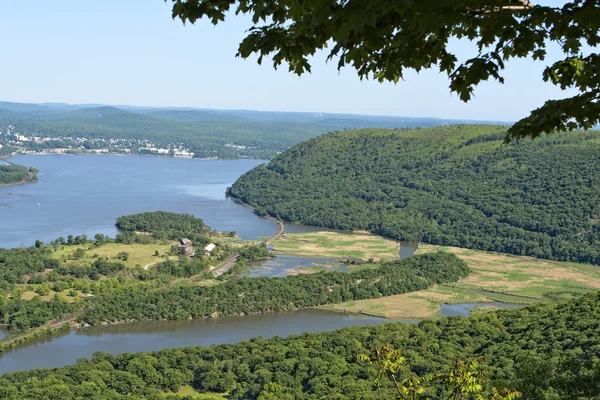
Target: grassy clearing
190, 391
529, 277
359, 245
495, 277
28, 295
139, 254
411, 306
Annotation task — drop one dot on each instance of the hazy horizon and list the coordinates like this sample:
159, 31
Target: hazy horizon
120, 53
224, 110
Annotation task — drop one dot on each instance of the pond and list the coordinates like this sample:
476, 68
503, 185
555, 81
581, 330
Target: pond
291, 265
464, 309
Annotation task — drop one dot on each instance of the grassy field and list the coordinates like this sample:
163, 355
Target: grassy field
495, 277
139, 254
191, 392
28, 295
359, 245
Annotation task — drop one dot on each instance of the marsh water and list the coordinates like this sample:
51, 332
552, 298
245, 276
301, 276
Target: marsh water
464, 309
150, 336
291, 265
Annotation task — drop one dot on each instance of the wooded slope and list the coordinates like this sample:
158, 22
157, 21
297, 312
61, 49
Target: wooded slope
452, 185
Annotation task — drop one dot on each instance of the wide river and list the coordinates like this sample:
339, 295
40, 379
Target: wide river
85, 194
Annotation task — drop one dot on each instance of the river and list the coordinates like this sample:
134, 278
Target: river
85, 194
149, 336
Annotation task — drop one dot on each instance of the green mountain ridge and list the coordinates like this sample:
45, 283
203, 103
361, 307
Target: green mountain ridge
452, 185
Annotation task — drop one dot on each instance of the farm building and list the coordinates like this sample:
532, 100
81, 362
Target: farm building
209, 248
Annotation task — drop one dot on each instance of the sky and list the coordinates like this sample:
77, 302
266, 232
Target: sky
131, 52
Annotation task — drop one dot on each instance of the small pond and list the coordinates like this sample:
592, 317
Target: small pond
291, 265
464, 309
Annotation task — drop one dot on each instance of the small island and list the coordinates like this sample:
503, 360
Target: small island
17, 174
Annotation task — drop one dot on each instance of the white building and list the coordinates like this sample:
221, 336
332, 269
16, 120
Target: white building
209, 248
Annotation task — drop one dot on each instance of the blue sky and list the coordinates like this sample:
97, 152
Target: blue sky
132, 52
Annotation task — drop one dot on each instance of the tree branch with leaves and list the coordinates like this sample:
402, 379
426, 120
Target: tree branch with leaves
382, 39
465, 381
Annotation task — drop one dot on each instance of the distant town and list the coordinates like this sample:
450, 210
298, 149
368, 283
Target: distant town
14, 142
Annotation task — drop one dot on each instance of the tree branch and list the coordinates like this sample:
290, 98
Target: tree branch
525, 5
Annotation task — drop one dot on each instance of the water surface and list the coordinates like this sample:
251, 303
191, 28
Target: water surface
464, 309
288, 265
150, 336
85, 194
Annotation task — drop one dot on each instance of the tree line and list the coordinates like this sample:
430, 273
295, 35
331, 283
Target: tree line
16, 174
260, 295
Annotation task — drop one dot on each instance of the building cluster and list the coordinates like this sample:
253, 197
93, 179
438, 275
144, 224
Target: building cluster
9, 136
187, 248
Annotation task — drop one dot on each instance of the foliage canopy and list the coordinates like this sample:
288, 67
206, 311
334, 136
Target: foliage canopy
454, 185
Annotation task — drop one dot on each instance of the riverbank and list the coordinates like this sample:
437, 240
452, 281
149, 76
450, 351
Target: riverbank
65, 348
14, 174
68, 152
24, 182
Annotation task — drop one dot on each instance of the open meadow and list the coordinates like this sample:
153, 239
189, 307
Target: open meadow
137, 254
496, 277
358, 245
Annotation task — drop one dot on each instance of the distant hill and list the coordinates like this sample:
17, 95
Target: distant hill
205, 132
95, 112
24, 107
192, 116
453, 185
204, 138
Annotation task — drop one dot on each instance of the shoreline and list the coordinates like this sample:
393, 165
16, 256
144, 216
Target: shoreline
4, 158
49, 330
14, 184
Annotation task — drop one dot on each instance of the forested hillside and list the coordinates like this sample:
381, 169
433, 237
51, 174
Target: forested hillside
206, 138
547, 351
453, 185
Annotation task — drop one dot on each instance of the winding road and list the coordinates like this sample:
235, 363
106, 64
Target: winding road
233, 259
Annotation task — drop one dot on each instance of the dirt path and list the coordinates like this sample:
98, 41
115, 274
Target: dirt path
157, 262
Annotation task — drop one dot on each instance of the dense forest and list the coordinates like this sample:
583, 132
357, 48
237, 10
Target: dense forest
546, 351
453, 185
259, 295
10, 174
162, 223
